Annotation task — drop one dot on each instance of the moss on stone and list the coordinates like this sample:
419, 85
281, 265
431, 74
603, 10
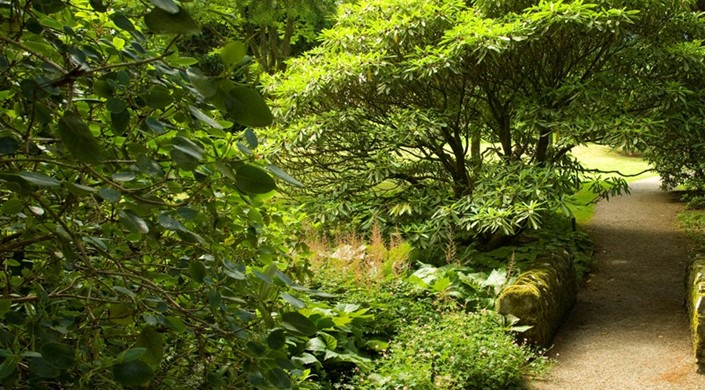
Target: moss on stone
696, 308
541, 297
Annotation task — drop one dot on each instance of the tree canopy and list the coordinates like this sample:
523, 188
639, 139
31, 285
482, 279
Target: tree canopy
391, 111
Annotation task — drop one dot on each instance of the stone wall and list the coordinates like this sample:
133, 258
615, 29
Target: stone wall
541, 297
696, 307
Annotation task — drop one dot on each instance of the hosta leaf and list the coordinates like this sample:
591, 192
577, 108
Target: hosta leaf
133, 373
278, 378
247, 107
160, 21
254, 180
297, 322
78, 139
58, 355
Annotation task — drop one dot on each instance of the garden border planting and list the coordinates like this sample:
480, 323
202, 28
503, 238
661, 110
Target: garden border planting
695, 288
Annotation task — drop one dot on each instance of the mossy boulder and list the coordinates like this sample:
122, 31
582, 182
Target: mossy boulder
696, 308
541, 297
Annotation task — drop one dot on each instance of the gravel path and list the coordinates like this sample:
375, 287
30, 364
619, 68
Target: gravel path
629, 328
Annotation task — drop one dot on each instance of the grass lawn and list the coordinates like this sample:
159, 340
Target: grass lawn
607, 159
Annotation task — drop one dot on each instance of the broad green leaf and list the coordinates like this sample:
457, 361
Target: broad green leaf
158, 97
276, 339
8, 366
233, 53
152, 340
42, 369
80, 189
278, 172
103, 89
176, 323
293, 301
278, 378
12, 206
331, 342
251, 138
121, 314
132, 354
197, 270
205, 85
133, 222
8, 145
120, 121
154, 124
170, 223
58, 355
48, 6
200, 115
5, 305
122, 22
160, 21
297, 322
115, 105
133, 373
78, 139
167, 5
110, 194
254, 180
39, 179
183, 61
190, 237
186, 153
247, 107
98, 5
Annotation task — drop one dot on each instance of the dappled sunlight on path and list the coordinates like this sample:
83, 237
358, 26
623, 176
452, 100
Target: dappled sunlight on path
629, 328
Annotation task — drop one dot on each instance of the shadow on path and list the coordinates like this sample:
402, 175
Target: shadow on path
629, 328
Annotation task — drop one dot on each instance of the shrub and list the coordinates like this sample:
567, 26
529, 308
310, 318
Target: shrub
459, 351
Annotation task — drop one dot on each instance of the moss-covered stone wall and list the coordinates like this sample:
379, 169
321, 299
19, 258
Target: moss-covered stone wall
696, 307
542, 296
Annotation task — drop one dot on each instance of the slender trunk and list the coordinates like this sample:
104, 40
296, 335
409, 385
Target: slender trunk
542, 146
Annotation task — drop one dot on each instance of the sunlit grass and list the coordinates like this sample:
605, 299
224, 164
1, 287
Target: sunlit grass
604, 158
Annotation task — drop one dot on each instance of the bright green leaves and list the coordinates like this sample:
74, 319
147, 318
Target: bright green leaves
233, 53
160, 21
254, 180
78, 139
